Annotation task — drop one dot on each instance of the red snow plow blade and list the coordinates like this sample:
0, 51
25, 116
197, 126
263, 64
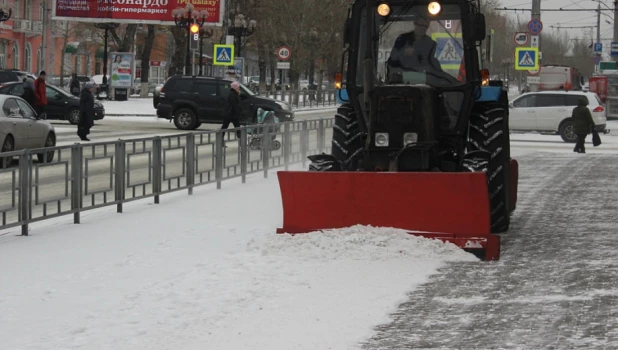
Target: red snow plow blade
452, 207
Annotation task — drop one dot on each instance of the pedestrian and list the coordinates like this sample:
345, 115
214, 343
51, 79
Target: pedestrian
75, 87
28, 93
86, 109
582, 124
232, 111
40, 94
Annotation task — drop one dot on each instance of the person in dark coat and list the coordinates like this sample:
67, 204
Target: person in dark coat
86, 108
75, 87
232, 111
582, 124
28, 93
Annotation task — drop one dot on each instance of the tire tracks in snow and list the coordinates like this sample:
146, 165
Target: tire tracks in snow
555, 285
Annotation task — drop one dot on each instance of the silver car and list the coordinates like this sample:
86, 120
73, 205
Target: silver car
21, 128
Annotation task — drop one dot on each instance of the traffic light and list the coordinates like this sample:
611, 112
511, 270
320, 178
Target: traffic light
195, 36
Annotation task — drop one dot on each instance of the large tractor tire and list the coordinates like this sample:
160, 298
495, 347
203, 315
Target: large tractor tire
347, 143
488, 132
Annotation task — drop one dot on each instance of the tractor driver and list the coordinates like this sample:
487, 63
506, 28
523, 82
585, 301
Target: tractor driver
415, 51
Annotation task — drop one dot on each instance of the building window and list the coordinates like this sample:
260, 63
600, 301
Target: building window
39, 60
3, 55
28, 58
16, 56
28, 10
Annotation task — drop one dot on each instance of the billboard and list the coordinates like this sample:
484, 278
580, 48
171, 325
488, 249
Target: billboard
121, 76
134, 11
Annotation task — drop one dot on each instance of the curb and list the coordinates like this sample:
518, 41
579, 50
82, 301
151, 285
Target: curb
316, 109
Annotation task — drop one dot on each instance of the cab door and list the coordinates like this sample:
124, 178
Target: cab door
522, 113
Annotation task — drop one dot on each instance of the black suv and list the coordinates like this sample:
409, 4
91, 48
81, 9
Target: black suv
191, 101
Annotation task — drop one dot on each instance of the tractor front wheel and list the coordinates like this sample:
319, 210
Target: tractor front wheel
487, 133
347, 143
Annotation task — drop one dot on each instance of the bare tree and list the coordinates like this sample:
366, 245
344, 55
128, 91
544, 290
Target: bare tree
146, 59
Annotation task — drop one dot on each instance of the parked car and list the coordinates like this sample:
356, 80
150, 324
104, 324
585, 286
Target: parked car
21, 128
191, 101
550, 111
21, 75
156, 96
8, 75
60, 103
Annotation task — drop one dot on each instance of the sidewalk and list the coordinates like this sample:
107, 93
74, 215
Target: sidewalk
143, 107
556, 285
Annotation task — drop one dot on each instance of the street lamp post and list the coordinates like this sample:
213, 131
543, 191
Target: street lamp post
240, 28
204, 34
184, 18
107, 27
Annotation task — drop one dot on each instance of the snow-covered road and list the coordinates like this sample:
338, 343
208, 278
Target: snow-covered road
556, 284
208, 272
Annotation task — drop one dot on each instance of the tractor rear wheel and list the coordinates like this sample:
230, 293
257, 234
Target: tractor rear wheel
488, 133
347, 143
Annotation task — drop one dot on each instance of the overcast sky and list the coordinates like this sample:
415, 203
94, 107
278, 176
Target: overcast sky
568, 19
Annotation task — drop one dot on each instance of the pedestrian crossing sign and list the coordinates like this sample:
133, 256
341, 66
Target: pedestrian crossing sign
527, 58
224, 55
449, 49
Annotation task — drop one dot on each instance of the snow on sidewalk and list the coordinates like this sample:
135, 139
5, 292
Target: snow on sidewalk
205, 272
143, 106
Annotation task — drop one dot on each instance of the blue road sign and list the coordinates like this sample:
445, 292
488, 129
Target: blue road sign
224, 55
614, 51
449, 50
598, 47
535, 27
526, 58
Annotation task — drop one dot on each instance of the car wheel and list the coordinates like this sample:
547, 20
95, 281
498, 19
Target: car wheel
185, 119
48, 157
73, 116
7, 146
566, 132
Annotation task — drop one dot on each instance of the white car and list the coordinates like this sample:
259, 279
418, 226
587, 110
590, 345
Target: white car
550, 111
21, 128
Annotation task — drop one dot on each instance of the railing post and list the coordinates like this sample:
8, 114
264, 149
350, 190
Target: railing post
266, 148
219, 158
156, 168
244, 155
190, 146
304, 143
25, 173
120, 174
321, 135
77, 181
287, 145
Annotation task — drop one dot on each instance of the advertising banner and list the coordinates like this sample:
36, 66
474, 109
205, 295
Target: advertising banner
121, 76
134, 11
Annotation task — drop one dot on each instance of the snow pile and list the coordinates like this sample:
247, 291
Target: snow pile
358, 243
206, 272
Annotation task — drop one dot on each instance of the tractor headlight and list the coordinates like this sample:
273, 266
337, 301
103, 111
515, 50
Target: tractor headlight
409, 138
434, 8
381, 139
384, 10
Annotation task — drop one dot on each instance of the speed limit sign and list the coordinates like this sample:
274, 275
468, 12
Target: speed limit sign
284, 53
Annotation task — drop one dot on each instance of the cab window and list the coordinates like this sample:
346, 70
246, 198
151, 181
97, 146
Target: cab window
26, 110
50, 93
544, 100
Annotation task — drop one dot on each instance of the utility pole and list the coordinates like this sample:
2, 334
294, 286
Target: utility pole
615, 57
44, 49
599, 22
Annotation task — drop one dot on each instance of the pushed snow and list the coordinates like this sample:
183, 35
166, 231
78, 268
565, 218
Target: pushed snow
206, 271
358, 243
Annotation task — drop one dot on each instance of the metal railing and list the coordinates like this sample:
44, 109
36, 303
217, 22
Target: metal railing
57, 181
304, 98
